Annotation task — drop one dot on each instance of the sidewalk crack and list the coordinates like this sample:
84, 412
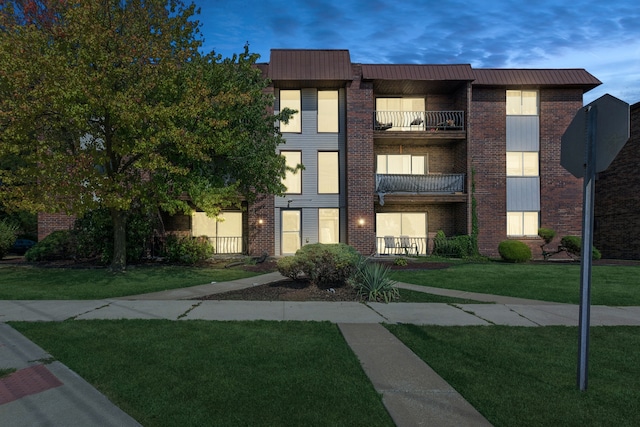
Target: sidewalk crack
186, 313
88, 311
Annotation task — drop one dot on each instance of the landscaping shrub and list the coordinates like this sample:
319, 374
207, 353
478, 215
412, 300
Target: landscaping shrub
328, 264
372, 281
456, 247
400, 261
573, 245
289, 267
546, 234
57, 245
94, 235
8, 235
187, 250
514, 251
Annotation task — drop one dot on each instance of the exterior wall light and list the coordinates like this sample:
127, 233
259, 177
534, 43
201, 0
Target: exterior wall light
361, 222
260, 221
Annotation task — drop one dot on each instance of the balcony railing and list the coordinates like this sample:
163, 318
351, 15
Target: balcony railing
430, 183
227, 245
431, 121
401, 245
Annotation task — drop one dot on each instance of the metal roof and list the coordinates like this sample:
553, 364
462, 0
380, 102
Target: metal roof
309, 65
534, 77
459, 72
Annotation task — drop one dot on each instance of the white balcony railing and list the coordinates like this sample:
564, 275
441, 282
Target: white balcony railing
227, 245
418, 120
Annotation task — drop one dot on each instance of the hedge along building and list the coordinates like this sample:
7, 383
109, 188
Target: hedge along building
393, 153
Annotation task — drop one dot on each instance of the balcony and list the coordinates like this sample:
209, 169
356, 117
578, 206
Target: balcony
418, 121
227, 245
430, 184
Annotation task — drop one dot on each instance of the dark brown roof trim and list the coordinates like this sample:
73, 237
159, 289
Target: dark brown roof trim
534, 77
459, 72
310, 65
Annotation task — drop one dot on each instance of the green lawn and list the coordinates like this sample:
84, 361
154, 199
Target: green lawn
611, 285
527, 376
197, 373
34, 283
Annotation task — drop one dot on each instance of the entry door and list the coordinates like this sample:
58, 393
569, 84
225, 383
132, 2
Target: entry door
290, 231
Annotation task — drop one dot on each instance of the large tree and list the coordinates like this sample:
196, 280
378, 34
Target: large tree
109, 103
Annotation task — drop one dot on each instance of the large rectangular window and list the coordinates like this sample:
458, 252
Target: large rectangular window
293, 180
522, 224
522, 103
400, 113
329, 225
328, 111
291, 99
224, 231
290, 231
328, 172
522, 163
404, 164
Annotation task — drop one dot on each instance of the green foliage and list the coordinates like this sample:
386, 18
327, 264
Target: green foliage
8, 234
94, 235
323, 264
141, 116
546, 234
462, 246
514, 251
187, 250
573, 245
290, 267
372, 280
400, 261
57, 245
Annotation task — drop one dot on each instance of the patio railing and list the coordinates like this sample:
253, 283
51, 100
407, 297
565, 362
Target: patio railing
227, 245
402, 245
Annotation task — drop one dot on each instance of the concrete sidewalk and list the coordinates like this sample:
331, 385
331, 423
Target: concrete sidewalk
45, 392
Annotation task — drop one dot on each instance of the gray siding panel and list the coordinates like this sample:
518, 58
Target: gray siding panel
523, 194
523, 133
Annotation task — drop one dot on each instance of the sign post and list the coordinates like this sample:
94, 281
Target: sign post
593, 139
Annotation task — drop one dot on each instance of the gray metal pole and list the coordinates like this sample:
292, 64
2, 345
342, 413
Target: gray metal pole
587, 244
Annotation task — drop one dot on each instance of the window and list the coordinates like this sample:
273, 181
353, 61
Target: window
293, 180
291, 99
522, 224
400, 112
522, 163
328, 111
290, 231
224, 231
404, 164
401, 224
522, 103
329, 225
328, 172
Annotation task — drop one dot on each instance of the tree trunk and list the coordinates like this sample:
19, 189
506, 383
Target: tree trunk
119, 220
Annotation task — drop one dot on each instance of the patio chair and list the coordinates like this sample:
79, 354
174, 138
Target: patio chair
389, 243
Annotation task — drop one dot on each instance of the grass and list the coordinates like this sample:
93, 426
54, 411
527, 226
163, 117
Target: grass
610, 285
218, 373
32, 283
4, 372
528, 376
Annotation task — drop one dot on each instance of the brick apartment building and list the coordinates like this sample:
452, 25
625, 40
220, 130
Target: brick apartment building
394, 153
616, 221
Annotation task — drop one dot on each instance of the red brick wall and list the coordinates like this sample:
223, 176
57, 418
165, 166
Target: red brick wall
560, 192
617, 222
261, 226
487, 135
50, 222
360, 165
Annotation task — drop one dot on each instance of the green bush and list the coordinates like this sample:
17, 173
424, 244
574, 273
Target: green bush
187, 250
8, 235
546, 234
94, 235
514, 251
328, 264
573, 245
57, 245
289, 267
456, 247
372, 281
400, 261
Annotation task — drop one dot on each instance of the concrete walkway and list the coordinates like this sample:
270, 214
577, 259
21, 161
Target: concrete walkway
44, 392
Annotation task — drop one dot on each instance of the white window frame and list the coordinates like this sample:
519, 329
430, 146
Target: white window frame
518, 226
324, 217
417, 165
522, 103
523, 163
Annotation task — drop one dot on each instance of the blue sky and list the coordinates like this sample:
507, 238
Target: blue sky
602, 37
